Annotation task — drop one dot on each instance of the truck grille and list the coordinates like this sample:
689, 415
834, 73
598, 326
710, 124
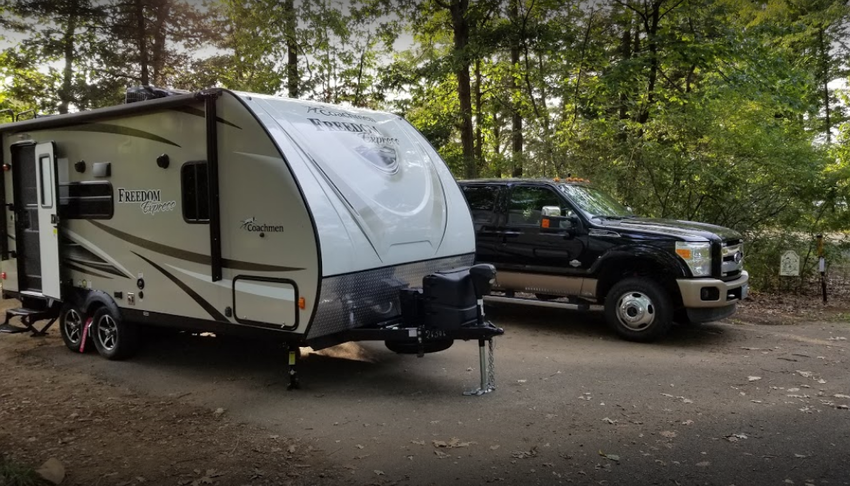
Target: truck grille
732, 259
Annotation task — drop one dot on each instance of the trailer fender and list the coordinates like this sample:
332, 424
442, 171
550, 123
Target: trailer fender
96, 299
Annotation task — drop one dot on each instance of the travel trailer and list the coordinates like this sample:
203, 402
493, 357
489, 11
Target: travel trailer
241, 213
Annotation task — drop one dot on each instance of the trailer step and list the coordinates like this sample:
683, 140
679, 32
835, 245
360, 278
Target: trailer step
10, 329
28, 318
540, 303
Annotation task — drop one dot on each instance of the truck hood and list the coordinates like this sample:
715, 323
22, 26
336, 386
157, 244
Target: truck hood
672, 227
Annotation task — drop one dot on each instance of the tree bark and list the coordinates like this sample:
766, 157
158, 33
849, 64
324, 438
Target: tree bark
460, 24
651, 26
66, 94
292, 78
163, 11
824, 55
516, 116
142, 41
479, 137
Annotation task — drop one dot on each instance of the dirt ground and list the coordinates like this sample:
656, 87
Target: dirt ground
760, 399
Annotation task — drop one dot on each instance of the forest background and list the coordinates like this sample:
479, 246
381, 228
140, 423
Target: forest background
732, 112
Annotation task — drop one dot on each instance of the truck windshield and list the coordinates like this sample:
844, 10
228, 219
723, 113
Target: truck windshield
595, 202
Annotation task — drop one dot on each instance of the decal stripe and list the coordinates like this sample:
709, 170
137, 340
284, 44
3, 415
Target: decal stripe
211, 310
188, 255
198, 112
117, 130
71, 266
104, 267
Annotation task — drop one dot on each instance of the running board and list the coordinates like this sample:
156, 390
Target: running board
540, 303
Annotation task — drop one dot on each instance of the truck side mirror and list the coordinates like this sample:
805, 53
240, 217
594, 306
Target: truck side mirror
551, 219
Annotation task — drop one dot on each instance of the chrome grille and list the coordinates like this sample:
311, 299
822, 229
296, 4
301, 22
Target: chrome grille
732, 257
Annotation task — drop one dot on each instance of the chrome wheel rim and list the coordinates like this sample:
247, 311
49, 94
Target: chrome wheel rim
636, 311
73, 324
107, 332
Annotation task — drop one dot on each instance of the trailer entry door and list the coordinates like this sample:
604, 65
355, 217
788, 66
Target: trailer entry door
48, 219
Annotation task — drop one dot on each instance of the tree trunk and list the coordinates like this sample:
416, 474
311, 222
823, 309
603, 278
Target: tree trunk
65, 94
291, 49
142, 41
824, 55
460, 24
516, 116
651, 32
479, 137
163, 11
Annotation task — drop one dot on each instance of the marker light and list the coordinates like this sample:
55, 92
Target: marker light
302, 304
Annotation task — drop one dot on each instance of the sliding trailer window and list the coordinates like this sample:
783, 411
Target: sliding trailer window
86, 200
194, 181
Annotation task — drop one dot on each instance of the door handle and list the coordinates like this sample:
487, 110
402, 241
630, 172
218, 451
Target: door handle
54, 219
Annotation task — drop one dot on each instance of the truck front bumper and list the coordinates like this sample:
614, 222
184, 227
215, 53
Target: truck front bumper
708, 299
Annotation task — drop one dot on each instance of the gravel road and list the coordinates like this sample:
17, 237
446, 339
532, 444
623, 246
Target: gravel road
726, 403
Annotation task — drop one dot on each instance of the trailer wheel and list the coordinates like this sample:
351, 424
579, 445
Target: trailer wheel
639, 310
72, 322
114, 338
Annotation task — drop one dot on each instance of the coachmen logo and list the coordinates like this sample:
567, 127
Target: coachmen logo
251, 225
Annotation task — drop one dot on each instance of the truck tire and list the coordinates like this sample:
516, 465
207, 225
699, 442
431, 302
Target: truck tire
72, 320
639, 309
114, 338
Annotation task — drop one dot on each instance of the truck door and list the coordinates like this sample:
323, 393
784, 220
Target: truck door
528, 247
482, 200
48, 219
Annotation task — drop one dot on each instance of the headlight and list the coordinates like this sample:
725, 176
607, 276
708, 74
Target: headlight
697, 256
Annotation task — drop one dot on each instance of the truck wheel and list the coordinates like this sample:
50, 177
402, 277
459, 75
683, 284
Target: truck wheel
639, 309
71, 323
114, 338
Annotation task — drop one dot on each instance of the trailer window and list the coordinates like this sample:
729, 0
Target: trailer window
86, 200
196, 199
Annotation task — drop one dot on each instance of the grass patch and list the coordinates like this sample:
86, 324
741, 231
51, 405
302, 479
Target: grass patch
14, 474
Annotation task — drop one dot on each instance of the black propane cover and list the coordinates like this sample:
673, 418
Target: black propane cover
450, 301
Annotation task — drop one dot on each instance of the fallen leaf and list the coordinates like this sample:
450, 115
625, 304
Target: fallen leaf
688, 422
494, 447
418, 442
703, 464
379, 472
441, 454
612, 457
754, 378
668, 434
804, 374
607, 420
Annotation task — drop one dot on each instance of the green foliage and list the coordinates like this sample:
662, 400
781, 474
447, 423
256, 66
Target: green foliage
724, 111
15, 474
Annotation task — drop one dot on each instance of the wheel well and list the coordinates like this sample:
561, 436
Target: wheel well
620, 269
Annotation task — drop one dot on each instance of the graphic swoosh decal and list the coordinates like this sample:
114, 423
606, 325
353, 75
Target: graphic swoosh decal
188, 255
117, 130
211, 310
198, 112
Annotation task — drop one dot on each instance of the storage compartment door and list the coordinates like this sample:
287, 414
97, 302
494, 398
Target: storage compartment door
265, 302
48, 219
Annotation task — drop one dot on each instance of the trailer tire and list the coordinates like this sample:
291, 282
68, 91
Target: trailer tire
114, 338
639, 309
72, 321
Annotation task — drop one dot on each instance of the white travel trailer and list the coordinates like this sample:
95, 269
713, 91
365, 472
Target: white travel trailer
233, 212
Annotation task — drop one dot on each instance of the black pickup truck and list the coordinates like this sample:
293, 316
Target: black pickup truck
565, 238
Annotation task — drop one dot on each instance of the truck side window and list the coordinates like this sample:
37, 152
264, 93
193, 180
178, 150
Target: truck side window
482, 203
526, 203
195, 188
